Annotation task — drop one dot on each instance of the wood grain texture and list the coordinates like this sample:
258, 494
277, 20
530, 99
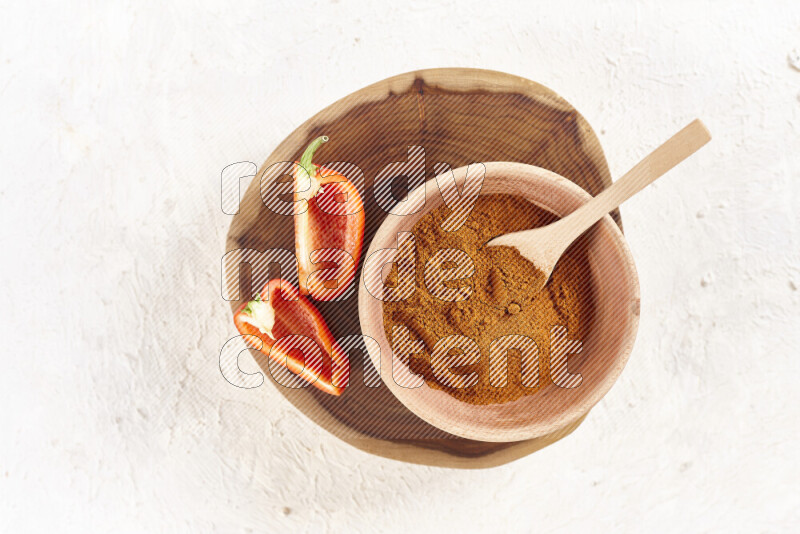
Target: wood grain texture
459, 116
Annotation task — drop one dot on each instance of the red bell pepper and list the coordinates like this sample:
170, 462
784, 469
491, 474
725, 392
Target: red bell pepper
332, 225
280, 311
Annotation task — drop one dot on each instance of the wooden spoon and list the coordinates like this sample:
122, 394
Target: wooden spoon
544, 246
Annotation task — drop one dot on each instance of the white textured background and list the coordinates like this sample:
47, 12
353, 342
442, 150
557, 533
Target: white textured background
116, 121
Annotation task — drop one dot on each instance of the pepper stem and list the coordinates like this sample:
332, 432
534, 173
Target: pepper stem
305, 159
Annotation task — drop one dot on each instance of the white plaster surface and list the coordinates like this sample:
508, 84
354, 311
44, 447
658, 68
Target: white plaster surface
117, 118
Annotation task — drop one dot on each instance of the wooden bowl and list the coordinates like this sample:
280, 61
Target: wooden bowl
459, 116
605, 348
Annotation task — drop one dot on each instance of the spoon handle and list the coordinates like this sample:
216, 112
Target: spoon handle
676, 149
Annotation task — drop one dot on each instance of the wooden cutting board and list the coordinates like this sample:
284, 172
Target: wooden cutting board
459, 116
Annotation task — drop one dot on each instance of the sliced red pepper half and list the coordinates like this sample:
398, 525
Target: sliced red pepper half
329, 233
280, 314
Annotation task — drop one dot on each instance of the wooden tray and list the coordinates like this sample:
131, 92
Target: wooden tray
459, 116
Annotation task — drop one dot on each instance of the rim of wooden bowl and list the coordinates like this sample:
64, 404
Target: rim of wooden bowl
437, 407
